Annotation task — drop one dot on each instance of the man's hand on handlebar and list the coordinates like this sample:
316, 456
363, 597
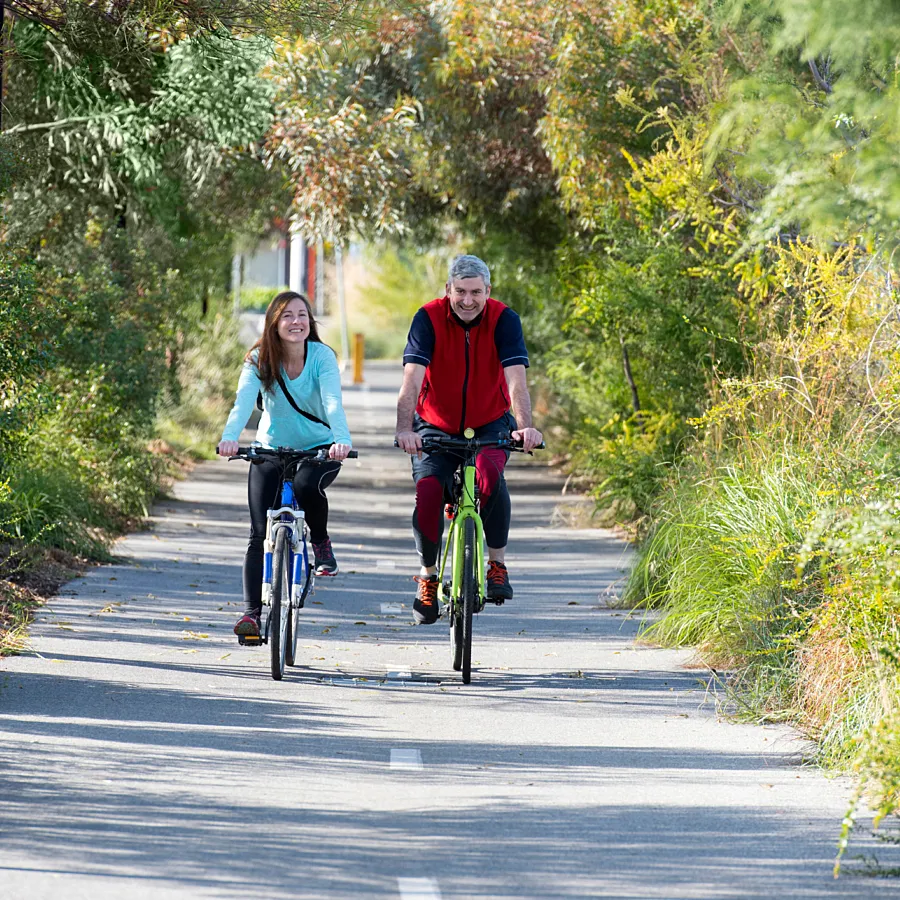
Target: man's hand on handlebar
227, 448
409, 442
339, 451
530, 438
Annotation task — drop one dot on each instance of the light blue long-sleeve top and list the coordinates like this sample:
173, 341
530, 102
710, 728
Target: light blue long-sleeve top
317, 390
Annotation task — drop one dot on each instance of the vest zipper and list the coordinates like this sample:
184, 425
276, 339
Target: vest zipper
462, 421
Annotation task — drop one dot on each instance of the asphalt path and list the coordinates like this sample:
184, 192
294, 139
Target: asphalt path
144, 754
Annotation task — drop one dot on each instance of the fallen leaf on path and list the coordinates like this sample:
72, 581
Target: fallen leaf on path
194, 636
225, 656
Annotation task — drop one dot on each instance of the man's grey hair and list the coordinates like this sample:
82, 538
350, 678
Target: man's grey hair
469, 267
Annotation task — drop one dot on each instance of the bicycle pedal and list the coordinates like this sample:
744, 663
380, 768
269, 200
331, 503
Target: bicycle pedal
249, 640
497, 601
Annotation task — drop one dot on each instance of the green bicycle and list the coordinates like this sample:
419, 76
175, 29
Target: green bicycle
464, 594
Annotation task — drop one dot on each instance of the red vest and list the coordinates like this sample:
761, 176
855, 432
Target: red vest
464, 385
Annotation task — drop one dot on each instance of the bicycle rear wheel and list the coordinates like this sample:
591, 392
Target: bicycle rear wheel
281, 602
294, 623
468, 599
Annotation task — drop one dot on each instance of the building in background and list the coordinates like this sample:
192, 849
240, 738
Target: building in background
283, 259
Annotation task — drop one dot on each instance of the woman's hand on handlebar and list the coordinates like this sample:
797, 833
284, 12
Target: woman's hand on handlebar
530, 438
339, 451
409, 442
227, 448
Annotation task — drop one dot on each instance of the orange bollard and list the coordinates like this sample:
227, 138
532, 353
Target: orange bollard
359, 350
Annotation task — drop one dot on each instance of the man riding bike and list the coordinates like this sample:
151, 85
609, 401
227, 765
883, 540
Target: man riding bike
463, 367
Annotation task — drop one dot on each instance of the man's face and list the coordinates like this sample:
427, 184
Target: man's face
467, 297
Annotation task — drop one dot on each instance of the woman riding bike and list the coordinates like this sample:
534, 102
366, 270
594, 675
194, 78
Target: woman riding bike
300, 384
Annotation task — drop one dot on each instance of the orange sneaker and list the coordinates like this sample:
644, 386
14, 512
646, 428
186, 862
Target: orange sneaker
425, 607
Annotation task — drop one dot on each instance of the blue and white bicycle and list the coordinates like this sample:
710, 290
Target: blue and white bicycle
288, 572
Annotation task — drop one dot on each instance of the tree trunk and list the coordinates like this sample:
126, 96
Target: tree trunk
635, 399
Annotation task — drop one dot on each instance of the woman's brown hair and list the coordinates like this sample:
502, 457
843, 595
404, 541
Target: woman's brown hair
271, 350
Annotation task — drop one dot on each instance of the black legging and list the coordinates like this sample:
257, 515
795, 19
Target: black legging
263, 489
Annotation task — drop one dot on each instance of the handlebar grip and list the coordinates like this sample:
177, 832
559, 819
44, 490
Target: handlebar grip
396, 443
353, 454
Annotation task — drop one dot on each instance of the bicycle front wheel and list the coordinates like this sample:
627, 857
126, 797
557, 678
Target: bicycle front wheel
456, 633
468, 598
281, 602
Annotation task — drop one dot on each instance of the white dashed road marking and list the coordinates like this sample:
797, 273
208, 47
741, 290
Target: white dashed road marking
418, 889
410, 760
398, 672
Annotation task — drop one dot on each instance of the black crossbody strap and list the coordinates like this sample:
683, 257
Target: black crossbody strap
293, 403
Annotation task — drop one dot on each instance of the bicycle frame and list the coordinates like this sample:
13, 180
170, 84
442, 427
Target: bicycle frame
288, 515
467, 509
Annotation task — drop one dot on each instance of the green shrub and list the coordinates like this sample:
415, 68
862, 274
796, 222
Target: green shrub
257, 299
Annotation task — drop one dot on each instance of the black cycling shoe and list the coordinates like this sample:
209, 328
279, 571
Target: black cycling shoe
326, 564
498, 586
425, 607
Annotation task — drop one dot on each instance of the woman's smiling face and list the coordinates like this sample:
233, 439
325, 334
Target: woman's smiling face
293, 323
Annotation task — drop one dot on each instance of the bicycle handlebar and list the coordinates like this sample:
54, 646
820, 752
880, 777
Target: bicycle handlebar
447, 442
285, 453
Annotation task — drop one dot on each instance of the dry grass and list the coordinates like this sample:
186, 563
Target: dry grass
828, 671
29, 576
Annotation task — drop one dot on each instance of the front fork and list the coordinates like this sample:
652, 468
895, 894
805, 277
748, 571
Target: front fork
293, 521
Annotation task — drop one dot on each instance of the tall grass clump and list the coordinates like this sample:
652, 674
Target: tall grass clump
720, 552
198, 398
774, 546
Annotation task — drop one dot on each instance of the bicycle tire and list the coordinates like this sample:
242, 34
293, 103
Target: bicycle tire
456, 633
469, 590
294, 624
281, 602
